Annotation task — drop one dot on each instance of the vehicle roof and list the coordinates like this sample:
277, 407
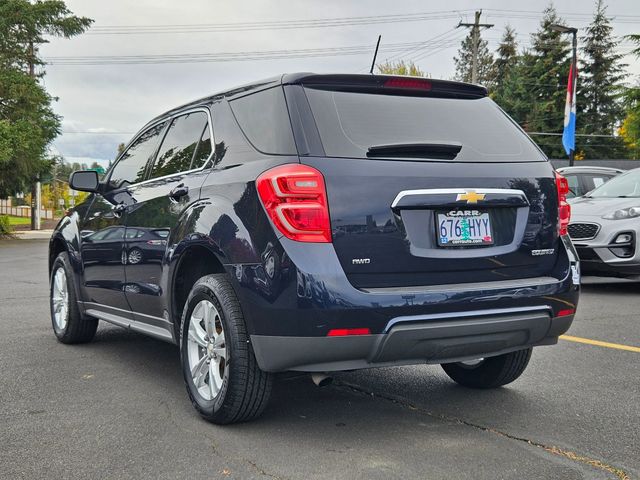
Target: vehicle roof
314, 78
590, 169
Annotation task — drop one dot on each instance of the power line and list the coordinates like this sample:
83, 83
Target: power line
271, 25
231, 56
577, 134
88, 132
333, 22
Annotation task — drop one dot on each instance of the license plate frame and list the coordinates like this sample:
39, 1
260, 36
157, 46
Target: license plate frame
466, 222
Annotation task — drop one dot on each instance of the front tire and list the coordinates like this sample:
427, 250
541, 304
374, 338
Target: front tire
69, 324
223, 379
491, 372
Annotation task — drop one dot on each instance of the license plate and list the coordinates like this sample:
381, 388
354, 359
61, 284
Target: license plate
459, 228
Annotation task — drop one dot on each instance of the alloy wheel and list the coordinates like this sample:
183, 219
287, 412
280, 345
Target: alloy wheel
60, 299
206, 349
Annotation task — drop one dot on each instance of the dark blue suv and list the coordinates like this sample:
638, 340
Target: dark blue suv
321, 223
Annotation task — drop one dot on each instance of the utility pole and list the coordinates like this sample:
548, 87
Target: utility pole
475, 38
35, 188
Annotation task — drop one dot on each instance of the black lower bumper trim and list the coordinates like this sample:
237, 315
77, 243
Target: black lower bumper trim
414, 343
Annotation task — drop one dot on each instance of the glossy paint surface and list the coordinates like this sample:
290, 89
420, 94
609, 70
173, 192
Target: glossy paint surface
305, 289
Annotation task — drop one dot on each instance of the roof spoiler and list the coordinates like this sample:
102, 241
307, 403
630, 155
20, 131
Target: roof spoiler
388, 84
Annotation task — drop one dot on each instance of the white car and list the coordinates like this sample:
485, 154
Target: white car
605, 226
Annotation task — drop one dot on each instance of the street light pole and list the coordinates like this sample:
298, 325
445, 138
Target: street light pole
574, 69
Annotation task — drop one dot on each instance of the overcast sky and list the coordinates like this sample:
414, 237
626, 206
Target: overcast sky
122, 97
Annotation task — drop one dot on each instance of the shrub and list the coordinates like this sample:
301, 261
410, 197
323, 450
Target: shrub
6, 230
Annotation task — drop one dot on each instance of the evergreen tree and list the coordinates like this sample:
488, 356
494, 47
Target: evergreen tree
514, 94
541, 95
601, 73
505, 63
27, 121
464, 61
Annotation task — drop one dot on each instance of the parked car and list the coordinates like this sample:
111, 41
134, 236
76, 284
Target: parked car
584, 179
605, 225
320, 223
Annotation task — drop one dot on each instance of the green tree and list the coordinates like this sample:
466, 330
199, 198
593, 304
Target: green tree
505, 63
542, 73
514, 92
119, 150
464, 60
630, 129
27, 121
400, 68
600, 107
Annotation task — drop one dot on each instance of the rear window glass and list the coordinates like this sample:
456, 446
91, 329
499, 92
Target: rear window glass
350, 123
264, 119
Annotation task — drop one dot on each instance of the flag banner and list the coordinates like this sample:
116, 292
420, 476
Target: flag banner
569, 132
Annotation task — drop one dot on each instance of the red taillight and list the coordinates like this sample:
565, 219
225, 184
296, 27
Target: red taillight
343, 332
295, 199
566, 312
415, 83
564, 209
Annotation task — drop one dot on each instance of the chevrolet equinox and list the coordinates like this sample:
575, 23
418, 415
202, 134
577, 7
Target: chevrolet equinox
322, 223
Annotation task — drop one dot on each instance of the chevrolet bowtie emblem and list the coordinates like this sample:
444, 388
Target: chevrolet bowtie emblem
470, 196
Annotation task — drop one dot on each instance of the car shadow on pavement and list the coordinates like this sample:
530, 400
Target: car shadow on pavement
345, 430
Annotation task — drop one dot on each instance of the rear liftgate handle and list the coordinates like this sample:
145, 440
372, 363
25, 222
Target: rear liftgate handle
178, 192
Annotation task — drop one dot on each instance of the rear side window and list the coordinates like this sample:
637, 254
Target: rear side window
350, 123
180, 144
132, 165
264, 119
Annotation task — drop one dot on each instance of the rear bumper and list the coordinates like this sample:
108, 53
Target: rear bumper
414, 340
289, 311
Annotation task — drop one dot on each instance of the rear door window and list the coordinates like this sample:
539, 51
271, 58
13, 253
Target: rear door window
203, 152
264, 119
179, 145
350, 123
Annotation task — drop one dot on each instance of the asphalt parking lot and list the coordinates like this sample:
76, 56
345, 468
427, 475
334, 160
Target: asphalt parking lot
117, 407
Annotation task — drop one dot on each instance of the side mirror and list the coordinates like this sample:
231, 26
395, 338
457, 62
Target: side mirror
84, 181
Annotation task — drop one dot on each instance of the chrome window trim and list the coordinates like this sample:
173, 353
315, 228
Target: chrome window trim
452, 191
169, 119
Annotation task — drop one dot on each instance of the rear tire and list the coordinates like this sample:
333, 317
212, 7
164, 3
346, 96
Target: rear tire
223, 379
69, 324
492, 372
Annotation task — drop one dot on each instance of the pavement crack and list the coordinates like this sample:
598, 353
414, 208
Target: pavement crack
260, 470
552, 449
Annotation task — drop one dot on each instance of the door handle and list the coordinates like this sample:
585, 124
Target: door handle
119, 209
178, 192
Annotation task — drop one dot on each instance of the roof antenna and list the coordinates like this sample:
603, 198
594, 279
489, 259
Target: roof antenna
373, 63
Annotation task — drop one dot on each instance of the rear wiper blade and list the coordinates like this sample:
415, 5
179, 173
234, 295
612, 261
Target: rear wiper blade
440, 151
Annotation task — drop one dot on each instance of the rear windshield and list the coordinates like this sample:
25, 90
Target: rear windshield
350, 123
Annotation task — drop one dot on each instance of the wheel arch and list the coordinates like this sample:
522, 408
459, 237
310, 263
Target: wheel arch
194, 262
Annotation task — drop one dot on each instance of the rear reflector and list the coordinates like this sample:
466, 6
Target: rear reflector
414, 83
343, 332
564, 209
295, 199
567, 312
